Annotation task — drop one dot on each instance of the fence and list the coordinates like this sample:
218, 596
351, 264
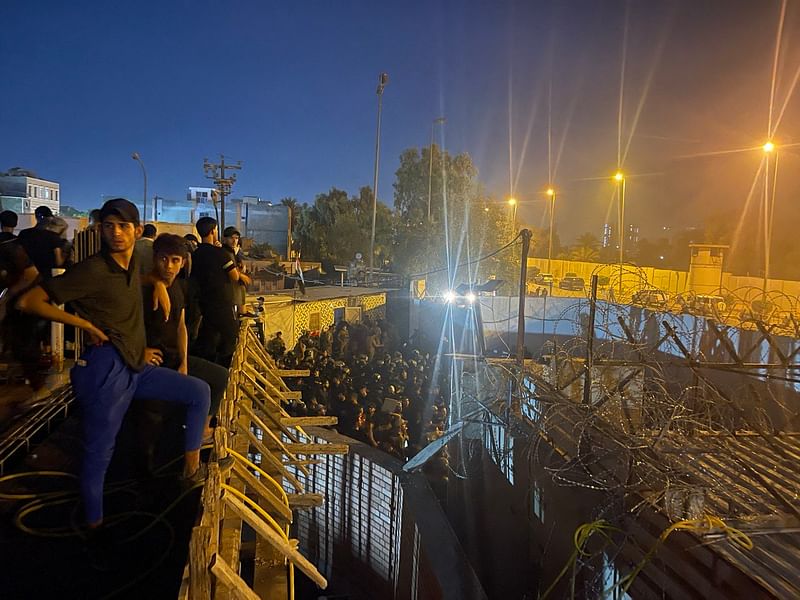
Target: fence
264, 441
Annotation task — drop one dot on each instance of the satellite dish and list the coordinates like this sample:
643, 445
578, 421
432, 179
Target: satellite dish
358, 256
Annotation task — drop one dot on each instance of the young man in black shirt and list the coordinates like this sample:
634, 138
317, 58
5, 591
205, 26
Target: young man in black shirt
115, 369
170, 338
213, 275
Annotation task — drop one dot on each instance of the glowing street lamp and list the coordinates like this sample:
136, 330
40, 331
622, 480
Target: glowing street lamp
513, 203
551, 193
768, 148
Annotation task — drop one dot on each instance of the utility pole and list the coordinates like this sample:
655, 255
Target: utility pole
382, 81
224, 182
523, 292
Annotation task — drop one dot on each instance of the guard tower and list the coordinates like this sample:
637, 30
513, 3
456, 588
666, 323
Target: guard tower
705, 267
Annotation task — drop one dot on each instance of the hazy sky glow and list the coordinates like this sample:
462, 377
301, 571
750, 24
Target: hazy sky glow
289, 89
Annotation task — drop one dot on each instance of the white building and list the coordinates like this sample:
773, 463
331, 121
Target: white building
22, 191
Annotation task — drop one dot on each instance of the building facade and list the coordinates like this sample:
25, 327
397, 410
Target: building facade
23, 191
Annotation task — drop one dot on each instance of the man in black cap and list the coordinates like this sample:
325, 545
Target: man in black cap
115, 369
213, 275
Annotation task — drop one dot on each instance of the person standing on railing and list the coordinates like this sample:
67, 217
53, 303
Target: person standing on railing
213, 274
115, 369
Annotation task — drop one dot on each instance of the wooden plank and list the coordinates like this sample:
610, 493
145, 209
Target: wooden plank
268, 398
292, 372
265, 531
275, 439
309, 421
211, 505
273, 460
199, 560
231, 580
307, 500
277, 508
319, 448
231, 534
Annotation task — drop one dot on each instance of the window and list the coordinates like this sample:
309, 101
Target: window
537, 502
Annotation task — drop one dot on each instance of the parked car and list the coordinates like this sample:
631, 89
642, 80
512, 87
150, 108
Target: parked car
650, 298
706, 304
572, 282
544, 279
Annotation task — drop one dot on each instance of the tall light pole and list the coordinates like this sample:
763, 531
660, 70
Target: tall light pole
768, 148
512, 202
619, 177
551, 193
135, 156
442, 121
383, 79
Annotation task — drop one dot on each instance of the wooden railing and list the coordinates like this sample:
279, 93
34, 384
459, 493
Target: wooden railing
253, 423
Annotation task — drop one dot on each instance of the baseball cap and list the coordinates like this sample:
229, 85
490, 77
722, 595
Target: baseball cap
124, 209
42, 212
230, 232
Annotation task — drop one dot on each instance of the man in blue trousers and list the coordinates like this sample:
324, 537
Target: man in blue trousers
115, 369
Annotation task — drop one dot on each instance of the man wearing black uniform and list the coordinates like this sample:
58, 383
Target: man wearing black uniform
170, 338
213, 275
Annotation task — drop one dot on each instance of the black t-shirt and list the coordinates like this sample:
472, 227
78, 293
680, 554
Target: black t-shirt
210, 268
13, 260
164, 334
109, 297
40, 245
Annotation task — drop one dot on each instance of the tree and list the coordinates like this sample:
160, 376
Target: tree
464, 223
586, 248
336, 226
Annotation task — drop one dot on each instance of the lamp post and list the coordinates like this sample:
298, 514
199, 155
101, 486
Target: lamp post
619, 177
551, 193
135, 156
442, 121
383, 79
768, 148
512, 202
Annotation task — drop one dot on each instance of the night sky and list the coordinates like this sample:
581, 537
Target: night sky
289, 89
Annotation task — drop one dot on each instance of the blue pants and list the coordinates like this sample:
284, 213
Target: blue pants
105, 387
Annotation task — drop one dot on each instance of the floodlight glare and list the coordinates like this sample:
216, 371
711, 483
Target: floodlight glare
618, 176
768, 147
470, 297
449, 296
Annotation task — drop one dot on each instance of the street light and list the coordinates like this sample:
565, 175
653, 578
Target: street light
768, 148
135, 156
552, 195
619, 177
383, 79
439, 121
513, 202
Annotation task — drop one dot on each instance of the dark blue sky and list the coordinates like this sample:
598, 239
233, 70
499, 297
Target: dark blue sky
289, 89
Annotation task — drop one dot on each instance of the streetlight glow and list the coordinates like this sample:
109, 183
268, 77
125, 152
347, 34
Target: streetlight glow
550, 192
449, 296
618, 176
768, 147
512, 201
470, 297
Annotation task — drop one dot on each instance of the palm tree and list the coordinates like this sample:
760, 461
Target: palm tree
586, 248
